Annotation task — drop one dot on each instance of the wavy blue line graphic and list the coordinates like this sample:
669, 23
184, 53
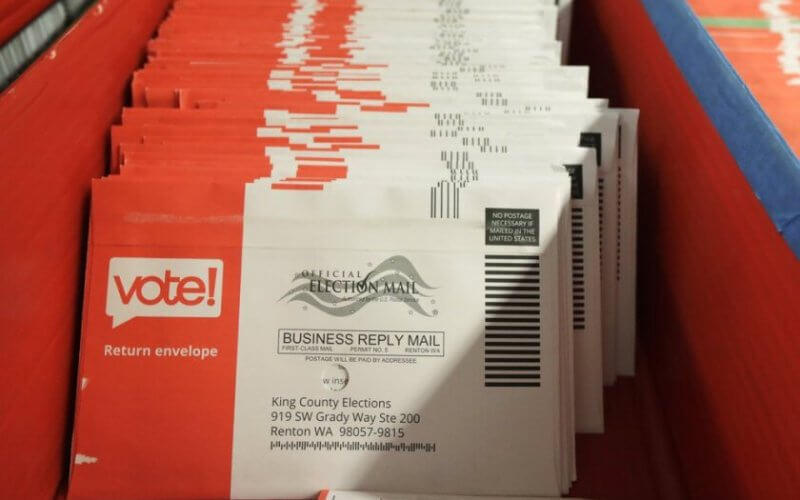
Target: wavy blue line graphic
385, 277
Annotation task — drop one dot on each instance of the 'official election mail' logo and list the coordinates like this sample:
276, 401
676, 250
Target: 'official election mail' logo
163, 288
343, 292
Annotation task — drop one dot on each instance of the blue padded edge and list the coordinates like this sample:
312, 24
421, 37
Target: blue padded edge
770, 166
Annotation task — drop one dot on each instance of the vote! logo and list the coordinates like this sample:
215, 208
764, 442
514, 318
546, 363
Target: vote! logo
163, 288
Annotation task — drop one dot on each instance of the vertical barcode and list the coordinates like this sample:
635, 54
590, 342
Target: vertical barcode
619, 195
619, 217
446, 200
512, 335
459, 165
578, 270
600, 184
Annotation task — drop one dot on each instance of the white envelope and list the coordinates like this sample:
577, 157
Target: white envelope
453, 401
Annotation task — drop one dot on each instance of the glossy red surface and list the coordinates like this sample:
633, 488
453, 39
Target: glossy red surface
54, 124
15, 15
712, 413
718, 286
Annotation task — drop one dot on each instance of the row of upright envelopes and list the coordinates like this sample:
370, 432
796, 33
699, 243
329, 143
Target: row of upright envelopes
355, 245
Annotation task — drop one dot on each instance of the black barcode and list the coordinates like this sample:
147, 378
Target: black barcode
619, 217
600, 210
351, 446
512, 335
446, 199
449, 119
459, 164
578, 270
452, 158
483, 144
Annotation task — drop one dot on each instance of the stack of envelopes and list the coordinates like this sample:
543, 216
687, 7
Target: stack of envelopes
357, 245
